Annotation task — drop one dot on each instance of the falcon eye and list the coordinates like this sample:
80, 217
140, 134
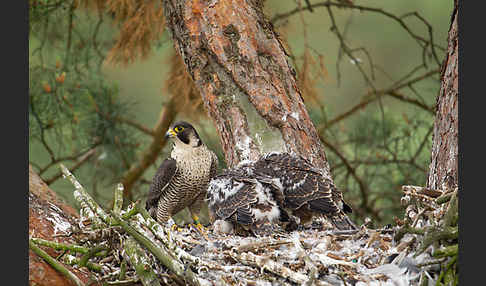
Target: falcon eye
179, 129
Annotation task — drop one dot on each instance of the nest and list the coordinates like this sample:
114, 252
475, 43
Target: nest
128, 246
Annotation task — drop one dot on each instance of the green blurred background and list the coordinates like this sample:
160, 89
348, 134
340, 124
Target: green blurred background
140, 87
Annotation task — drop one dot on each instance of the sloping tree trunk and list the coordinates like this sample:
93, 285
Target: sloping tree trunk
48, 218
444, 164
247, 84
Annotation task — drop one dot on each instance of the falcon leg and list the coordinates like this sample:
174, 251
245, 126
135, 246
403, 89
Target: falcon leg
194, 209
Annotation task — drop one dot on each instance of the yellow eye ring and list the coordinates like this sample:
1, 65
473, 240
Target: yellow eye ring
178, 129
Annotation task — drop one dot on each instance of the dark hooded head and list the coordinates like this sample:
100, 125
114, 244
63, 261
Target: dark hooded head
183, 132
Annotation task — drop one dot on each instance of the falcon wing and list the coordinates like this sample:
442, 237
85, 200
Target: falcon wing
161, 180
301, 183
230, 196
238, 206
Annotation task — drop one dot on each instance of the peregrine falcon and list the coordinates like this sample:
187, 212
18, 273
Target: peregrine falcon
278, 188
181, 180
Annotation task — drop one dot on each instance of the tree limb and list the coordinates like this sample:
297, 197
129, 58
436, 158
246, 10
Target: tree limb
149, 155
55, 264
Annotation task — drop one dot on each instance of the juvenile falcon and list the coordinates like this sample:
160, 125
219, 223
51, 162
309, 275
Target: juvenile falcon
279, 188
181, 180
240, 202
303, 190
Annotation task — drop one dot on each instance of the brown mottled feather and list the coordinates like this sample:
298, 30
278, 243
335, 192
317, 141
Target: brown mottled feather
287, 180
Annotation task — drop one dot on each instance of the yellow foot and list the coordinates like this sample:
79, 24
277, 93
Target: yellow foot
175, 227
199, 227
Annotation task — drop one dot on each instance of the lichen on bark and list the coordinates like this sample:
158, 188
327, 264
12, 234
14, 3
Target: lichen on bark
235, 57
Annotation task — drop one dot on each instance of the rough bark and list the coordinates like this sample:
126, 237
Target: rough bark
247, 84
444, 162
49, 216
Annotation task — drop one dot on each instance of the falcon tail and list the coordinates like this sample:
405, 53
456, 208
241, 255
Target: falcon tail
342, 222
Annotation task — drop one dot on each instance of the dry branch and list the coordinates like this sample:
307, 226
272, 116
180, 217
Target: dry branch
272, 266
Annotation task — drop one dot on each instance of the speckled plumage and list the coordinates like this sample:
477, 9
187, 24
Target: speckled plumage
287, 181
240, 198
181, 180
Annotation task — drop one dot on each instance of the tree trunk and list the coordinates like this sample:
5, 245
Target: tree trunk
48, 217
241, 70
443, 166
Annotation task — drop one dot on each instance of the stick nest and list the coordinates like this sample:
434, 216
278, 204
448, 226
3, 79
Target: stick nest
420, 250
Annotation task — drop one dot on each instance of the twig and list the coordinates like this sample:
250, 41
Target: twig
130, 211
444, 198
155, 227
70, 33
446, 251
55, 264
160, 234
81, 195
121, 282
422, 145
78, 157
81, 160
347, 50
411, 190
261, 243
272, 266
436, 261
308, 262
138, 259
71, 260
352, 172
84, 259
422, 42
60, 246
396, 95
434, 234
136, 125
118, 199
371, 97
123, 270
162, 255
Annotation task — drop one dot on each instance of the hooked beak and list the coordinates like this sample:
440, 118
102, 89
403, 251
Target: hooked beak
170, 133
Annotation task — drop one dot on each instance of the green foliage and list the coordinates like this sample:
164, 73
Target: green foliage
385, 151
40, 10
73, 103
73, 109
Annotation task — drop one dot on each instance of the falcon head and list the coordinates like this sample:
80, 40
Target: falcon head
184, 134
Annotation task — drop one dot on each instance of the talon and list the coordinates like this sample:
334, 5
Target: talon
175, 227
200, 229
172, 227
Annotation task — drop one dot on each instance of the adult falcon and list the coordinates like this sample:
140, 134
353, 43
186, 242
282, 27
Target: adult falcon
247, 194
181, 180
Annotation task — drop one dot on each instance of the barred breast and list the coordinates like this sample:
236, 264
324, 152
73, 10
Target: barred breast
192, 178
